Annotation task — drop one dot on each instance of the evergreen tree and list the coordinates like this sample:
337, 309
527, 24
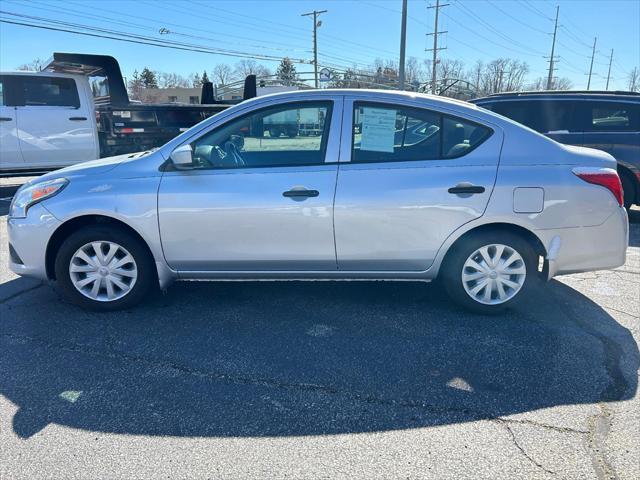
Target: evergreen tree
286, 72
148, 78
205, 77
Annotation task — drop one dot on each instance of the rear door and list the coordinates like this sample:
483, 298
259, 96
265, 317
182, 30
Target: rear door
411, 178
10, 156
56, 126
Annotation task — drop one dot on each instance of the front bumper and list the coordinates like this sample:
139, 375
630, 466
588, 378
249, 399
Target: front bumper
29, 238
584, 249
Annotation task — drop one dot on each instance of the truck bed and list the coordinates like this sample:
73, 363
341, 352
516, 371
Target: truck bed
136, 126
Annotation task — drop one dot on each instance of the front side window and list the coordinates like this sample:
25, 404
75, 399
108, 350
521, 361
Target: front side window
286, 135
48, 91
383, 133
603, 116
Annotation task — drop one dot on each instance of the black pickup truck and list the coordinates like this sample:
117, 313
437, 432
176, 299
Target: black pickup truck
124, 126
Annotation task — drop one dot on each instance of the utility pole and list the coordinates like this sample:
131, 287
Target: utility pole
435, 48
403, 43
316, 24
553, 50
593, 54
609, 72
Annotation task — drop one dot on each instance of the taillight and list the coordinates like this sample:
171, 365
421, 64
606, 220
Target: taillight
605, 177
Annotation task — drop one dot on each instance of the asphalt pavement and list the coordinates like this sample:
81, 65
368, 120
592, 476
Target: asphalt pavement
322, 380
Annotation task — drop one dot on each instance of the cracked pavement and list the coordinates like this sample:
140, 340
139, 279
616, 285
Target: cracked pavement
322, 380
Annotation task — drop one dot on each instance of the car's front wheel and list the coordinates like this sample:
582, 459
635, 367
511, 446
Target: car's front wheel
488, 272
104, 268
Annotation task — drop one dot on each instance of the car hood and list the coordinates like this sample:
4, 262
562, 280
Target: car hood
93, 167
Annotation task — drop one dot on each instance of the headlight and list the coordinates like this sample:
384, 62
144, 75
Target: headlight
29, 195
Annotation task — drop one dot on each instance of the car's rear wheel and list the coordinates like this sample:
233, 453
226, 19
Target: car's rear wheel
104, 268
488, 272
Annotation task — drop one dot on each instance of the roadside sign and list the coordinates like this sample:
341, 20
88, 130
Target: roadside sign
325, 75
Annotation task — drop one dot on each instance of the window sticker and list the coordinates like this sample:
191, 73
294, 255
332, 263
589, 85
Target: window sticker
378, 129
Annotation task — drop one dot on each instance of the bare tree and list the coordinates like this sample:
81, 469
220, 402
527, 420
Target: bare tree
33, 66
171, 80
499, 75
413, 72
250, 67
540, 83
450, 69
222, 73
634, 80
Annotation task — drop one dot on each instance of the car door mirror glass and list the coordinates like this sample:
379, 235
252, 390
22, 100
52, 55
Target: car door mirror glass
182, 157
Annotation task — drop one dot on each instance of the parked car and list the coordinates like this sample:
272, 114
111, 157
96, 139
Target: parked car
483, 203
608, 121
77, 110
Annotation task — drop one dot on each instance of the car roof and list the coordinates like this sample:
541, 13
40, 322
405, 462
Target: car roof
368, 92
564, 94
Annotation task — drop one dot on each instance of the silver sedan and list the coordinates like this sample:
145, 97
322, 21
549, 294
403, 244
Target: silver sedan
366, 185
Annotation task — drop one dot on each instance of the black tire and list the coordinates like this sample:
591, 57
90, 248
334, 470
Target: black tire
146, 280
628, 188
274, 132
451, 273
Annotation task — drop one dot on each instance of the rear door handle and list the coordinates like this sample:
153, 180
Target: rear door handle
466, 189
300, 193
5, 119
77, 119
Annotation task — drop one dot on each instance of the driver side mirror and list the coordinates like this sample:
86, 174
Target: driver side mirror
182, 157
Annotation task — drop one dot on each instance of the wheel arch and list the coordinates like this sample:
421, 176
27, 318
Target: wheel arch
512, 228
76, 223
627, 173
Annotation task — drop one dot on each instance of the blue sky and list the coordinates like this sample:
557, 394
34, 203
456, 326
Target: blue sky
352, 31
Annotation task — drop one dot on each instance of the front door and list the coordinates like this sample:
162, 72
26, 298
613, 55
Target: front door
260, 195
414, 177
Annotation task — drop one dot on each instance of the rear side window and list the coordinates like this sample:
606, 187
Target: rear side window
607, 116
386, 133
544, 116
48, 92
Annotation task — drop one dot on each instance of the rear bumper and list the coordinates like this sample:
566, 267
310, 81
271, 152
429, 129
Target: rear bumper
583, 249
29, 238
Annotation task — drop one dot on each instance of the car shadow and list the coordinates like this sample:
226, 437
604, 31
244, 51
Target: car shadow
316, 358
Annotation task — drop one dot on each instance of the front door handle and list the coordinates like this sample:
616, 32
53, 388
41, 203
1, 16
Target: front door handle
5, 119
300, 193
77, 119
466, 188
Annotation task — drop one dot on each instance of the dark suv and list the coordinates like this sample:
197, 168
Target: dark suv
608, 121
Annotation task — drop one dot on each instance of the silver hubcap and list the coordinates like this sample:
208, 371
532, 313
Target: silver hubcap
493, 274
103, 271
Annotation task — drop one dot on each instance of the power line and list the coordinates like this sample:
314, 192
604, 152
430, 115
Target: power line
129, 37
497, 32
517, 19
